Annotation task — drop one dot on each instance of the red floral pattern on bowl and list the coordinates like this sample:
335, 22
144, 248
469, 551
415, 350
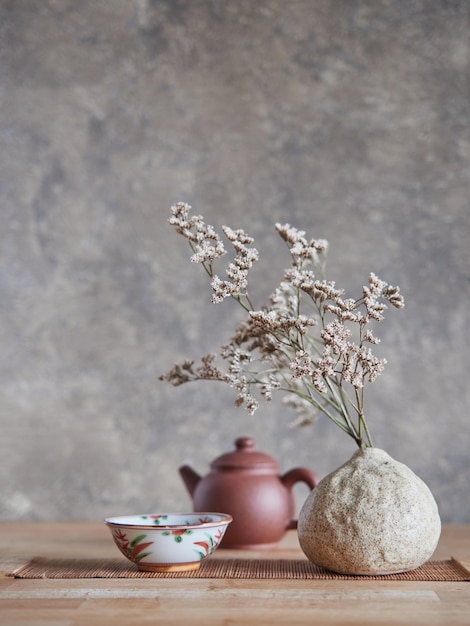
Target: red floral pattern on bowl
168, 542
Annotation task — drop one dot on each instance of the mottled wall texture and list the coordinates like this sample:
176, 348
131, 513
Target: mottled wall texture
347, 119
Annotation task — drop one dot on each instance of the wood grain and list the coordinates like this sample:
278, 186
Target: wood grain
215, 601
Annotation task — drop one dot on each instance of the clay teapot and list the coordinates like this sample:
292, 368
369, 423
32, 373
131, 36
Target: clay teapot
246, 484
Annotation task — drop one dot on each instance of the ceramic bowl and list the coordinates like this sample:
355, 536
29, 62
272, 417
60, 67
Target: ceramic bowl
168, 542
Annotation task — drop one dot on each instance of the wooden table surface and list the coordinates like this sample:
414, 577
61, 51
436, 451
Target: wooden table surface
190, 602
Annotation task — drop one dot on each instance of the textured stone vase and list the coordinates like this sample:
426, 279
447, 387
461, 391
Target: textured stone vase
372, 515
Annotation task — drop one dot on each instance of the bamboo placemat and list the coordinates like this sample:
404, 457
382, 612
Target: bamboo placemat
40, 567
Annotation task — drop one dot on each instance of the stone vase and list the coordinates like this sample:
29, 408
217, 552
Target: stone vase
371, 516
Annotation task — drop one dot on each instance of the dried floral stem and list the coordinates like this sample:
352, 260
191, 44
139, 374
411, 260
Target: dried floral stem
312, 357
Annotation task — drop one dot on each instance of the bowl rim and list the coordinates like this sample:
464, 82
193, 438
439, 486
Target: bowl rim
118, 521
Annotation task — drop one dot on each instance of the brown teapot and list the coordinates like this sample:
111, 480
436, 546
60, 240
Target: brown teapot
246, 484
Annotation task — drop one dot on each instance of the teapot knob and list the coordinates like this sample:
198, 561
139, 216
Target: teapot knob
245, 443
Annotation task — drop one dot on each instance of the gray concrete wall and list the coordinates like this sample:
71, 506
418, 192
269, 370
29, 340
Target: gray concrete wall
348, 119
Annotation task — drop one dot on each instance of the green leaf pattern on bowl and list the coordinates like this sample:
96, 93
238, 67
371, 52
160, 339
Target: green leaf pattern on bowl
210, 545
133, 550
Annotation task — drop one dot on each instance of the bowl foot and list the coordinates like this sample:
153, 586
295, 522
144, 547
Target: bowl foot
174, 567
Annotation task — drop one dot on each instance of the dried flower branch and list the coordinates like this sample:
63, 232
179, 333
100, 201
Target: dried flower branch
309, 341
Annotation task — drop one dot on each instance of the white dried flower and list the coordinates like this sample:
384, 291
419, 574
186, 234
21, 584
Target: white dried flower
301, 365
310, 341
394, 297
335, 336
369, 336
222, 289
208, 252
356, 380
268, 385
318, 381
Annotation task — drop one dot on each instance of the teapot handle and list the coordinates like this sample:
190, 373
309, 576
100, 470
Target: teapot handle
299, 475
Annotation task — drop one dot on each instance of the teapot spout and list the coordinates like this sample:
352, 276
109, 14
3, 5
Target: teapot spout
190, 478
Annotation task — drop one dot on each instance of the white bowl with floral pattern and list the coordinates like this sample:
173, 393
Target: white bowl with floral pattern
168, 542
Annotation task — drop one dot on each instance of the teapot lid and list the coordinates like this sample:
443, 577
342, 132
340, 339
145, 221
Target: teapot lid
245, 457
